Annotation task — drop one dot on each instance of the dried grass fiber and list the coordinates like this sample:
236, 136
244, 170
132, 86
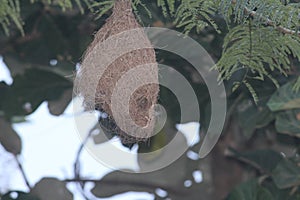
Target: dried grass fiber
98, 76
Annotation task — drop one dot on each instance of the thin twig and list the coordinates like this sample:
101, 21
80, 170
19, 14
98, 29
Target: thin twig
77, 163
22, 172
270, 22
142, 183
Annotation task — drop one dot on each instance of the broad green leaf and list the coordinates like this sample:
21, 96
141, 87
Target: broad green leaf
9, 139
250, 190
3, 92
281, 194
56, 35
252, 117
15, 66
57, 107
265, 159
285, 98
119, 182
286, 174
30, 89
50, 189
288, 122
17, 195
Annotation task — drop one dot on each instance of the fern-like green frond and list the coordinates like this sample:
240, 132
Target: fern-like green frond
269, 12
256, 51
167, 6
67, 4
10, 12
228, 9
88, 3
195, 14
251, 90
102, 7
136, 9
297, 85
276, 13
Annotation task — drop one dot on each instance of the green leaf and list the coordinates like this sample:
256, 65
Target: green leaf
285, 98
15, 65
257, 52
265, 160
57, 107
288, 122
52, 35
286, 174
9, 139
167, 6
19, 196
251, 117
10, 13
195, 15
281, 194
31, 89
250, 190
296, 87
51, 188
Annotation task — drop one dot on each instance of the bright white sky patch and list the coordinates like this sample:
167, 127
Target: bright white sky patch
190, 131
123, 196
188, 183
192, 155
162, 193
5, 73
198, 176
132, 196
6, 173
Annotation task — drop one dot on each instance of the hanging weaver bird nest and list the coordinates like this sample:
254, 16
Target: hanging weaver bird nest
120, 47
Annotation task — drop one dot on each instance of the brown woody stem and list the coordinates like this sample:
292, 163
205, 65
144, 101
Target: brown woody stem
270, 22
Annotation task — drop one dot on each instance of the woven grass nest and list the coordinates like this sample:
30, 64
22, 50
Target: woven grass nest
96, 80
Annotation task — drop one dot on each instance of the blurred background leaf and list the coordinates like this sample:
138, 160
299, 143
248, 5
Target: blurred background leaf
286, 174
288, 122
9, 139
285, 98
17, 195
250, 190
51, 188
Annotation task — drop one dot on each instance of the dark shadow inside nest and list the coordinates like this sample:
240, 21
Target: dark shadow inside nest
110, 129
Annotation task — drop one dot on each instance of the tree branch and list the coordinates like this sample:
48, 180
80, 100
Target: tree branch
77, 164
22, 172
270, 22
150, 186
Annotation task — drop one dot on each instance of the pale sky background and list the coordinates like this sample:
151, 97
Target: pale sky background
50, 144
